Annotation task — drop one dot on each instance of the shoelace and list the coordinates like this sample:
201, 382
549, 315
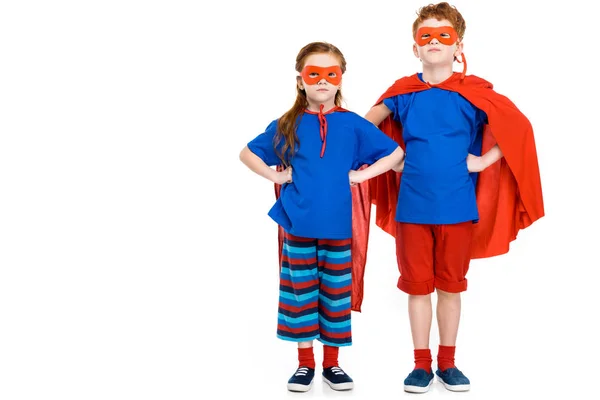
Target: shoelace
337, 371
302, 371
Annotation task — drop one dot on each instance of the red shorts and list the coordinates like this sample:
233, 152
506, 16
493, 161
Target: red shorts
433, 257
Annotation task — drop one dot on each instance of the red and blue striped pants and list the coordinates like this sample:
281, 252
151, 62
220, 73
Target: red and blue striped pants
314, 290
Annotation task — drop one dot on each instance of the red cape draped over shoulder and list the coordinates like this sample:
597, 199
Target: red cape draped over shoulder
509, 192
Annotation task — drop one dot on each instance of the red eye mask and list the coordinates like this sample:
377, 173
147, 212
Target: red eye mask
444, 34
313, 74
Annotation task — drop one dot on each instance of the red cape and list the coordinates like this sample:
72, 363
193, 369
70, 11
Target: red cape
509, 192
361, 215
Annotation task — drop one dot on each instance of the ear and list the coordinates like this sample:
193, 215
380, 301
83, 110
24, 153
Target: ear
416, 50
299, 83
459, 50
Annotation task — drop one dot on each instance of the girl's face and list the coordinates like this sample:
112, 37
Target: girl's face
321, 80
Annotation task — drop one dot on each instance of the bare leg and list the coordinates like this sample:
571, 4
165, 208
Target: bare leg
448, 317
420, 314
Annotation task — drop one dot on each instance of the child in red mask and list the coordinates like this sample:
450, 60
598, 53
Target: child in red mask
469, 182
320, 148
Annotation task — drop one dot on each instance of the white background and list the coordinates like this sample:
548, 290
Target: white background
136, 257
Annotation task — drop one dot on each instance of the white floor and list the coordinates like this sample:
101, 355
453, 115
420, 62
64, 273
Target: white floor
165, 325
526, 332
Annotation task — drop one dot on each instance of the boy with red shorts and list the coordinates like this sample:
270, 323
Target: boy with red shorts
470, 181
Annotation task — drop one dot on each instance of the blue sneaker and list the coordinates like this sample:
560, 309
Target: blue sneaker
337, 379
302, 380
454, 380
418, 381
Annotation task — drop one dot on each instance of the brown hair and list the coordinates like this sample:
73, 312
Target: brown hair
288, 123
441, 11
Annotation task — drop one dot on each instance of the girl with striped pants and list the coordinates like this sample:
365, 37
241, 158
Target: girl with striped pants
321, 150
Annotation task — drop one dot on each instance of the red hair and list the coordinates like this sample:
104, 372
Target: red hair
441, 11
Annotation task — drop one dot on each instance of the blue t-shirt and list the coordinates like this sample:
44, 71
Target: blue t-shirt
440, 128
318, 203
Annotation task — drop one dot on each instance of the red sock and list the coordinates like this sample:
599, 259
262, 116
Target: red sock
330, 356
306, 357
423, 359
445, 358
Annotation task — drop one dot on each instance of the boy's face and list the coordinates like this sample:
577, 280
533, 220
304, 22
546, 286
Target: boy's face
434, 47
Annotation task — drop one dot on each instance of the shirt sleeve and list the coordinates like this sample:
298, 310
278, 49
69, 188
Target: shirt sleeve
477, 134
477, 139
482, 119
396, 104
263, 145
372, 143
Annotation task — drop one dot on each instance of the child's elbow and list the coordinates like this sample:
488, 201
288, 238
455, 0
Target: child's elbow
244, 154
398, 154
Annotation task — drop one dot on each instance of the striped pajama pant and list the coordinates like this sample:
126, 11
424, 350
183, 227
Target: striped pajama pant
314, 291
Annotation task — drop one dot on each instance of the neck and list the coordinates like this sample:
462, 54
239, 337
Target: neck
435, 74
316, 106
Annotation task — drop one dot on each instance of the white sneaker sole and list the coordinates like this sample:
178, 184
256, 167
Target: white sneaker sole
455, 388
296, 387
339, 386
418, 389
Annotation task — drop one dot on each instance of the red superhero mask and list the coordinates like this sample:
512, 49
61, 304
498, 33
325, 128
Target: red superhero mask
444, 34
313, 74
